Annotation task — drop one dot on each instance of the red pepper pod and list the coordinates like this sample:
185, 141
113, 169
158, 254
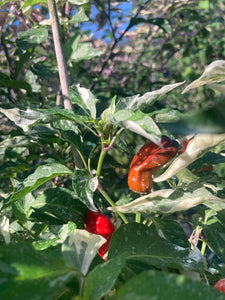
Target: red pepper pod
100, 224
147, 161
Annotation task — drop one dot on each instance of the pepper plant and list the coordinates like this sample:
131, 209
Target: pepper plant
63, 164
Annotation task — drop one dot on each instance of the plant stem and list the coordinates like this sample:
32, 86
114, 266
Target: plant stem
110, 201
138, 217
98, 173
204, 244
100, 162
59, 55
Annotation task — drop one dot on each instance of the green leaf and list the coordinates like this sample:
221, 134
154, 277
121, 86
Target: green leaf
145, 245
168, 201
155, 21
103, 277
16, 141
215, 235
53, 115
84, 186
28, 118
29, 274
158, 285
31, 38
21, 208
148, 99
32, 3
9, 168
53, 235
84, 99
58, 206
215, 72
41, 175
15, 84
167, 115
198, 146
171, 231
137, 122
76, 51
80, 248
45, 70
45, 244
43, 133
22, 118
69, 132
80, 16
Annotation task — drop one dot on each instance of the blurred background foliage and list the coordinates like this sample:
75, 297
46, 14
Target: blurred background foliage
122, 48
112, 48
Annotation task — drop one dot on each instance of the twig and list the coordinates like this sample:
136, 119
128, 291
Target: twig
59, 55
116, 41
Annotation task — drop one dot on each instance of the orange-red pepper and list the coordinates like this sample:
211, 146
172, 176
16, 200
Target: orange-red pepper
147, 161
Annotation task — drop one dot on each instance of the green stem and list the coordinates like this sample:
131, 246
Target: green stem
204, 244
110, 201
104, 151
138, 218
98, 173
100, 162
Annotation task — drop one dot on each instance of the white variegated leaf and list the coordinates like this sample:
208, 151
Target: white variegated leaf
167, 201
80, 248
199, 145
215, 72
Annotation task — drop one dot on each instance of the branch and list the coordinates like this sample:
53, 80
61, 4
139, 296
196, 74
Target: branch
117, 40
59, 55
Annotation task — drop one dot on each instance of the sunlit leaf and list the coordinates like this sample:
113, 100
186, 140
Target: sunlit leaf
215, 72
41, 175
76, 51
31, 38
199, 145
137, 122
80, 248
33, 2
84, 186
148, 99
167, 201
28, 118
80, 16
21, 118
84, 98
